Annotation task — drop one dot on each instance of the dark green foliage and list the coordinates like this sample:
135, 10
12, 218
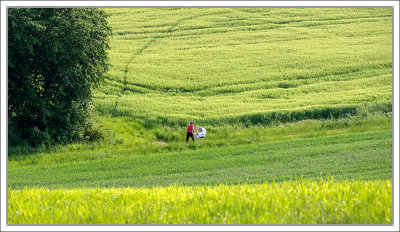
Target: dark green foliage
91, 130
55, 57
329, 112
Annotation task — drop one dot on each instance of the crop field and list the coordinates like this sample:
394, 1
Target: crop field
224, 65
129, 138
297, 103
307, 202
365, 155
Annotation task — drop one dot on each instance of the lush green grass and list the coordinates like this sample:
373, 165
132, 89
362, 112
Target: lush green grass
223, 65
302, 202
366, 155
129, 138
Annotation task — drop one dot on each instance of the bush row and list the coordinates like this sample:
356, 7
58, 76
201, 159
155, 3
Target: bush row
278, 117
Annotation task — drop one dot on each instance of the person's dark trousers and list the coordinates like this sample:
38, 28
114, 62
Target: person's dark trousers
189, 135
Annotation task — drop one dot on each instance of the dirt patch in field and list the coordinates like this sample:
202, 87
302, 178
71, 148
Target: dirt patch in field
161, 143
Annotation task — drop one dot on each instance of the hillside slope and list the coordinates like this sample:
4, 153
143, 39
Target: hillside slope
210, 65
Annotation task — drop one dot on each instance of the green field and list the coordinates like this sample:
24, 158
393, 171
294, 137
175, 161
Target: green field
225, 65
297, 104
352, 156
306, 202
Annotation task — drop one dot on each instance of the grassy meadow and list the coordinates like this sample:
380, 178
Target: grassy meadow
297, 103
306, 202
359, 155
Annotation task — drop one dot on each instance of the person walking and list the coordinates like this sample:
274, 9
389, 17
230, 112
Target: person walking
190, 131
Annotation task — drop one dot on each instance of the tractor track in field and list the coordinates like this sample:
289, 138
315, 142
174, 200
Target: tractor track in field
173, 28
257, 85
138, 53
147, 45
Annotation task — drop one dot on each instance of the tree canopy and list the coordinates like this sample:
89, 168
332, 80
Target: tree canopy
56, 56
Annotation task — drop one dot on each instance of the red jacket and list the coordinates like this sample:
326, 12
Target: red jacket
190, 128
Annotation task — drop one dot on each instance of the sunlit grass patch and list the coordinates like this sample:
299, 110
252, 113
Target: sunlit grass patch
298, 202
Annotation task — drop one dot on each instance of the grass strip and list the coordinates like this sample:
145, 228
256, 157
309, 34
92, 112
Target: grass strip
299, 202
129, 138
366, 155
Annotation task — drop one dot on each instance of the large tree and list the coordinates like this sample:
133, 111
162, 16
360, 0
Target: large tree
55, 58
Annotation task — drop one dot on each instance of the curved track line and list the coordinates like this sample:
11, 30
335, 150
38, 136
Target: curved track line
147, 45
